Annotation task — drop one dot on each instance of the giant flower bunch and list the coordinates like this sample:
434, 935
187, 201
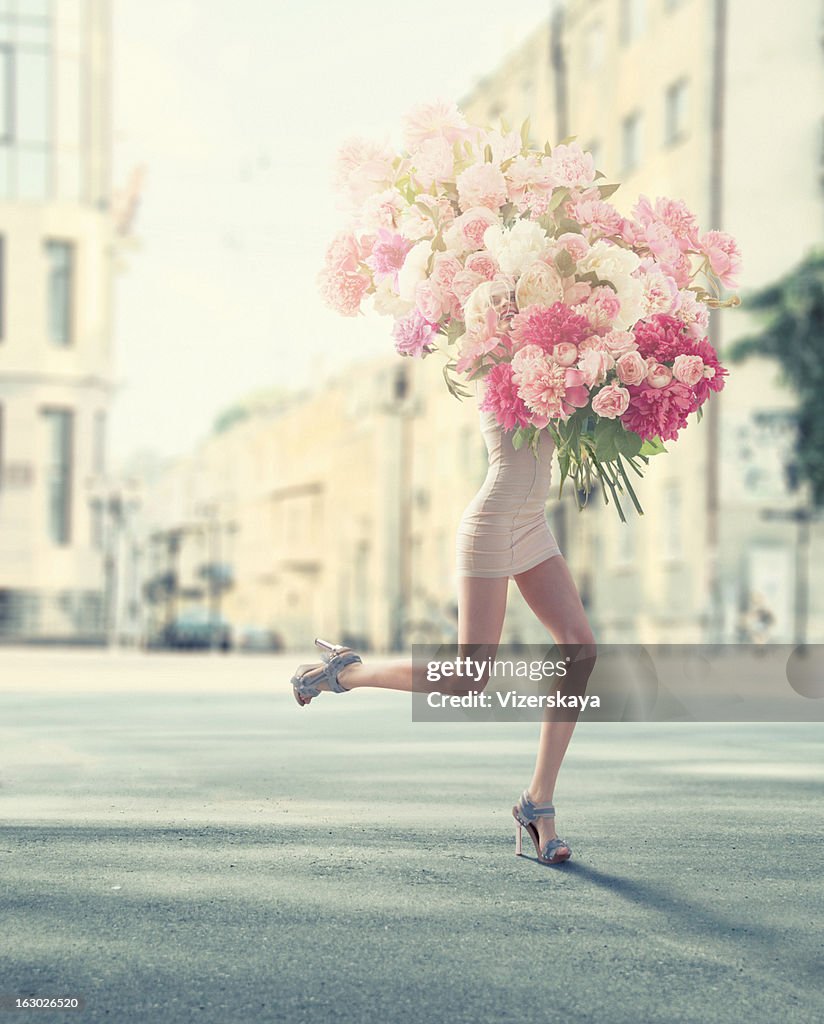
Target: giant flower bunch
513, 262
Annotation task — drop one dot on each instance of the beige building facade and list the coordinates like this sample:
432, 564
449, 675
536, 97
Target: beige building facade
56, 332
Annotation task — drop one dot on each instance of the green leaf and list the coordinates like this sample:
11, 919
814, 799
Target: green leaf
599, 175
430, 211
653, 446
629, 443
565, 224
565, 264
518, 438
567, 140
547, 149
454, 331
606, 441
559, 195
606, 191
488, 154
525, 133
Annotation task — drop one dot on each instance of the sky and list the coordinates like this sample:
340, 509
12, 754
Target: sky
236, 110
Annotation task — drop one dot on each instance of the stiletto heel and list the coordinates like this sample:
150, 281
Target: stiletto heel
518, 839
307, 678
526, 812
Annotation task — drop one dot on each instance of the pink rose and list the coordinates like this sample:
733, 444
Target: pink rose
594, 364
444, 267
565, 353
429, 301
611, 401
631, 367
464, 284
467, 233
482, 263
658, 374
618, 342
688, 369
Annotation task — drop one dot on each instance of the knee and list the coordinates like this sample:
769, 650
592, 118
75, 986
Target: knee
580, 641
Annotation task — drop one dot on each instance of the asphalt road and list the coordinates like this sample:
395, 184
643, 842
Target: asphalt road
181, 842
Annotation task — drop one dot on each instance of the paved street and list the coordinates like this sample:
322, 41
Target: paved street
181, 842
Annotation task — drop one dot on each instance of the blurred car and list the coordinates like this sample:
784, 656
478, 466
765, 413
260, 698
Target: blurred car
195, 630
251, 638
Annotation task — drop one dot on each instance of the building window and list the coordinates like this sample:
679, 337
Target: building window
676, 110
594, 46
2, 287
60, 256
633, 17
99, 444
26, 100
631, 142
58, 473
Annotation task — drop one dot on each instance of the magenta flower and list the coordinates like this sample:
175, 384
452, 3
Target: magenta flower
662, 337
658, 412
548, 326
502, 398
714, 372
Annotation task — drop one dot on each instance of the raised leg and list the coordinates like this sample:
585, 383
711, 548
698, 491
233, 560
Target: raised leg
481, 610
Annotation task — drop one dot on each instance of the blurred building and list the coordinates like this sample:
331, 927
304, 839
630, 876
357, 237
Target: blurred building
55, 313
719, 103
334, 514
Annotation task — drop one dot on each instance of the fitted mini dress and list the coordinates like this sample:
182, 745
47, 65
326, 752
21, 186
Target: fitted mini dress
504, 529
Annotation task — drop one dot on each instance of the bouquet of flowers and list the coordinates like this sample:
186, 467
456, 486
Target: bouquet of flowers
513, 263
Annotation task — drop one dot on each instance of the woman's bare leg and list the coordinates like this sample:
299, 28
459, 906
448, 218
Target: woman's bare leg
481, 610
550, 592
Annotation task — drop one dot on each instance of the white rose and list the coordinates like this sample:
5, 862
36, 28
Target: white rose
413, 270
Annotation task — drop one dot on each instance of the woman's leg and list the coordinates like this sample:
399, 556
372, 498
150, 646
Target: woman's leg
481, 610
550, 592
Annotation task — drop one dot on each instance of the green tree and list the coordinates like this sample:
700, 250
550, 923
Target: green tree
792, 313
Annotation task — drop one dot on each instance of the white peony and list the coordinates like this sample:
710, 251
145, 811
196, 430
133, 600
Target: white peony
517, 247
387, 302
413, 270
490, 295
540, 284
617, 265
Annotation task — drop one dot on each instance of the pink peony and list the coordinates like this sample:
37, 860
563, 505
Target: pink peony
658, 412
576, 245
631, 367
601, 308
611, 401
692, 313
551, 391
388, 255
570, 166
414, 336
434, 163
440, 119
343, 253
548, 326
343, 291
714, 372
660, 290
464, 284
662, 338
481, 185
596, 214
501, 398
363, 167
724, 256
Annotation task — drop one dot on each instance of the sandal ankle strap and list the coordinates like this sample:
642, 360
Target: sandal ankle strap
531, 811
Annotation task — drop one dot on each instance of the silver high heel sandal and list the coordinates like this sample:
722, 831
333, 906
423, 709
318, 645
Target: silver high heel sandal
306, 680
526, 813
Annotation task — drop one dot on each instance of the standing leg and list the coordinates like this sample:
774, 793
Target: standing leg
550, 592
